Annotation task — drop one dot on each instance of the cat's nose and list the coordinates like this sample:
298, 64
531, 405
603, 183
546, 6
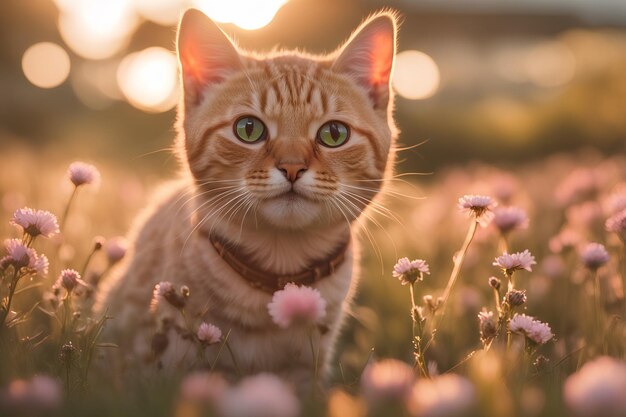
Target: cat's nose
292, 170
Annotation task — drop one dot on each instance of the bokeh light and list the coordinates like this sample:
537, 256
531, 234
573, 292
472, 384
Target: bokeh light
149, 79
163, 12
415, 75
46, 64
96, 29
550, 64
247, 14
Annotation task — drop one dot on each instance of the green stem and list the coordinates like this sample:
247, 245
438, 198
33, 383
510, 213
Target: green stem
417, 344
315, 354
458, 263
12, 289
232, 356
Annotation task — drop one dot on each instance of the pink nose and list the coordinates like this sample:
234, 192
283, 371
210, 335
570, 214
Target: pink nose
292, 170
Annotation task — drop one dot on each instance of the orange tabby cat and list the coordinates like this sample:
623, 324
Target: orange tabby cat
280, 154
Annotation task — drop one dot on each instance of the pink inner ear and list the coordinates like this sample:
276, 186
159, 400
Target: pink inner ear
382, 53
193, 65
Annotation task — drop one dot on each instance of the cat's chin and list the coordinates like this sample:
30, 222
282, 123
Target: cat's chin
291, 211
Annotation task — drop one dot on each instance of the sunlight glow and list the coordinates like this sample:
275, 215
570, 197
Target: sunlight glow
247, 14
149, 79
96, 29
46, 64
163, 12
415, 75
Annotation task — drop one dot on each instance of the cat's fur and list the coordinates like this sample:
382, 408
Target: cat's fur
235, 190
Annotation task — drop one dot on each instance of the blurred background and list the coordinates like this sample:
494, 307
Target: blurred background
502, 82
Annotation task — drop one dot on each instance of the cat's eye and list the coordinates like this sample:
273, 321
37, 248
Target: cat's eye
250, 129
333, 134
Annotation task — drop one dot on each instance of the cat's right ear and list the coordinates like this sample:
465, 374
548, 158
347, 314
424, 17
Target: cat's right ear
207, 56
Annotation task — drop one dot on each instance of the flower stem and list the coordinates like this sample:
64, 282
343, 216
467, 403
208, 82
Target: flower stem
417, 338
598, 308
66, 212
458, 262
315, 354
12, 288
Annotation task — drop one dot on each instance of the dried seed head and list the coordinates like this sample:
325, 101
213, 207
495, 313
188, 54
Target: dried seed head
541, 363
68, 353
98, 243
494, 283
487, 325
184, 291
516, 298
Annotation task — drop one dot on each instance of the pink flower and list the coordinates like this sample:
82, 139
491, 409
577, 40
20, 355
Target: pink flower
387, 380
69, 279
262, 395
617, 224
534, 330
480, 206
36, 222
597, 389
448, 395
34, 397
410, 271
578, 186
594, 255
21, 256
204, 388
81, 173
515, 261
296, 304
116, 248
209, 334
510, 218
165, 290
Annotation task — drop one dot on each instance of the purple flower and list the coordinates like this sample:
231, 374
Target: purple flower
36, 222
515, 261
534, 330
21, 256
115, 249
480, 206
209, 334
296, 304
594, 255
262, 395
597, 389
165, 290
410, 271
69, 279
81, 173
617, 224
510, 218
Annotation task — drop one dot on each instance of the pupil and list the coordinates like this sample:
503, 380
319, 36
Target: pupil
334, 131
249, 127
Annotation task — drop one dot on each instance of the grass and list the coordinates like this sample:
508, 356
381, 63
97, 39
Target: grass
567, 198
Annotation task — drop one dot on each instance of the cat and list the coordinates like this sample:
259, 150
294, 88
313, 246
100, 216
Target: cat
280, 154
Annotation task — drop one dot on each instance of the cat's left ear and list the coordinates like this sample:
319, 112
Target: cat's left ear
368, 56
207, 56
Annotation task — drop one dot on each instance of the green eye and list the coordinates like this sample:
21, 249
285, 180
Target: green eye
333, 134
250, 129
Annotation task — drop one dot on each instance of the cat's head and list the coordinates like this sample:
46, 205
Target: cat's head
299, 140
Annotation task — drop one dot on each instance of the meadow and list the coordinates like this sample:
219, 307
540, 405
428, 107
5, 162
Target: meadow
469, 325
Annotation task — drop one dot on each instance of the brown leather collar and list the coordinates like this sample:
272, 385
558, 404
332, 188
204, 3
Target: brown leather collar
271, 282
